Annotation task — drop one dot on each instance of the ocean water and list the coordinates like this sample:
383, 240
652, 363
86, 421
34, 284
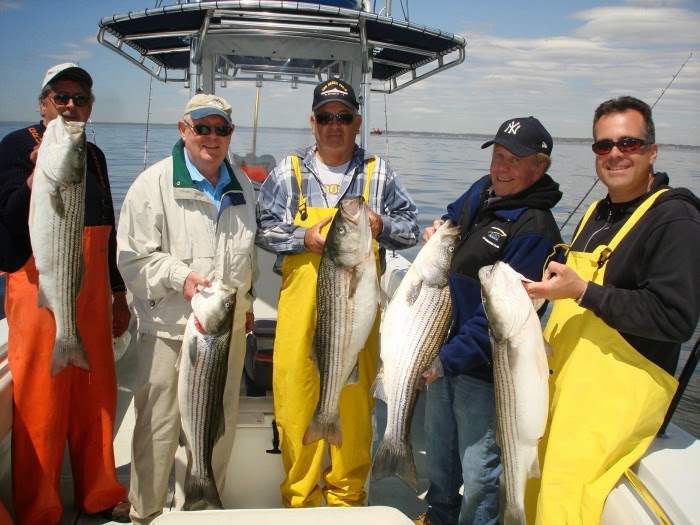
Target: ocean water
435, 168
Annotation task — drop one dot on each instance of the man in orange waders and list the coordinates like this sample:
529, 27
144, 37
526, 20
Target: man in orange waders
75, 405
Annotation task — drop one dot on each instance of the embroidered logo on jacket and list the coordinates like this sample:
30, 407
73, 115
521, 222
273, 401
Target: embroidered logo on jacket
494, 237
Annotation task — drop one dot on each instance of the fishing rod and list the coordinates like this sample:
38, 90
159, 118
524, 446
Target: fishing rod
683, 381
652, 107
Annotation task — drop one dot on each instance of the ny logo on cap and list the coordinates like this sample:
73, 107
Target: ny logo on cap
513, 127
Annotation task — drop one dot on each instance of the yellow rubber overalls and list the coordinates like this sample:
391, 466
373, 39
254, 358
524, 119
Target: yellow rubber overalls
296, 385
607, 400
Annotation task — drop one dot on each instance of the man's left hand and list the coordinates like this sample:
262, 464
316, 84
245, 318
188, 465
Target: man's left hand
121, 315
375, 223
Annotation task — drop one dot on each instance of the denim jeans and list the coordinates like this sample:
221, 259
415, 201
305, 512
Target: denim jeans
460, 429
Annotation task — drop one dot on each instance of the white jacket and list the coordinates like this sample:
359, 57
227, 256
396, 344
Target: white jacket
168, 228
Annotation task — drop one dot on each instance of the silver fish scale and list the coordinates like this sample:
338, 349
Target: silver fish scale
433, 312
333, 333
205, 388
506, 414
67, 264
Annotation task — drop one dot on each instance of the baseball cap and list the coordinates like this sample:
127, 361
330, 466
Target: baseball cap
203, 105
67, 69
334, 90
523, 136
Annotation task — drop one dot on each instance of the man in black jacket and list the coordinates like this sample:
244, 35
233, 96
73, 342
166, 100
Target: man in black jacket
627, 297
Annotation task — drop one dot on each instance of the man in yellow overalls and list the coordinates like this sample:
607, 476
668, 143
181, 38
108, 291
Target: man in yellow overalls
626, 299
296, 205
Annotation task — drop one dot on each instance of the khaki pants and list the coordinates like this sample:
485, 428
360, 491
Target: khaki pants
157, 429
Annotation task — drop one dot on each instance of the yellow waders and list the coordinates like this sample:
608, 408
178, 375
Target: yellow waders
607, 402
296, 386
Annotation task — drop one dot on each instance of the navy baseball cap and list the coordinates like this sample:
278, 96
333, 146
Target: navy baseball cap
334, 90
522, 137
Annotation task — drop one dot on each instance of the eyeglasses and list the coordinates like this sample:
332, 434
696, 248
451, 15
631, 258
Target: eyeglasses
324, 119
78, 100
203, 129
626, 145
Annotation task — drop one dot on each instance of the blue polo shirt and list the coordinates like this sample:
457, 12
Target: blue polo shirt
214, 193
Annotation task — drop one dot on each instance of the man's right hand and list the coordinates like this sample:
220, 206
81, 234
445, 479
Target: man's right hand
192, 283
313, 239
430, 230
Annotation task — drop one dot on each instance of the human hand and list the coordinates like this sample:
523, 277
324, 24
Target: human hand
192, 284
313, 240
121, 315
434, 372
376, 223
249, 322
558, 282
430, 230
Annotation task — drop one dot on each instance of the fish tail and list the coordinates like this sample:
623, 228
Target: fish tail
395, 458
68, 351
324, 428
201, 494
514, 515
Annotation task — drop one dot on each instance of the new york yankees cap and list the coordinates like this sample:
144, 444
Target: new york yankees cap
523, 137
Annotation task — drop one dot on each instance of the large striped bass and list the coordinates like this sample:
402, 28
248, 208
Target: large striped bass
56, 220
414, 327
203, 367
520, 376
347, 296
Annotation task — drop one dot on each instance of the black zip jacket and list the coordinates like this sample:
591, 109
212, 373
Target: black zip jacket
651, 288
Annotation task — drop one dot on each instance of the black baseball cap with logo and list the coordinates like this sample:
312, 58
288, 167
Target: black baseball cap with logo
334, 90
523, 137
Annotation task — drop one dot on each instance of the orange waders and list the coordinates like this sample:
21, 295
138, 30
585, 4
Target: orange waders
75, 405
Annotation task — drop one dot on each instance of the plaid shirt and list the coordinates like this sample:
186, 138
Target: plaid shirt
279, 199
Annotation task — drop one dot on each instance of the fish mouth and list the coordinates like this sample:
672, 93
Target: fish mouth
352, 210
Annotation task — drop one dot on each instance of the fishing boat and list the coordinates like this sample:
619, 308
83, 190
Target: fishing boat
203, 44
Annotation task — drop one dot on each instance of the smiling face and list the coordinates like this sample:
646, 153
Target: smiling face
206, 152
335, 141
626, 175
511, 174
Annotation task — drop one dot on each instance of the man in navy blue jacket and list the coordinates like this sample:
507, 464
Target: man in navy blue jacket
504, 216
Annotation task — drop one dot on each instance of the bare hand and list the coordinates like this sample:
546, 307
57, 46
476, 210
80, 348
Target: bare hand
375, 223
558, 282
249, 322
192, 284
121, 315
430, 230
313, 240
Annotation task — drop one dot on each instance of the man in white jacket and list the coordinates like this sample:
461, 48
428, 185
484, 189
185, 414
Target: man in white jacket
186, 221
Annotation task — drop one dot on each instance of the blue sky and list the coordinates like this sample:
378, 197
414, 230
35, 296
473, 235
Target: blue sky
556, 60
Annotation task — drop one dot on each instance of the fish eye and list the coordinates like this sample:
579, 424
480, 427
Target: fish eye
451, 249
341, 230
227, 305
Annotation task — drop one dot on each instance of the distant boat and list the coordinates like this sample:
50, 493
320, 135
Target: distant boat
375, 131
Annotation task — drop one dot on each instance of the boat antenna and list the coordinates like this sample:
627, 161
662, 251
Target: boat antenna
597, 179
386, 128
148, 122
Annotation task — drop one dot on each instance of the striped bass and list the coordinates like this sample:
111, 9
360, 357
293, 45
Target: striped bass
414, 327
520, 376
347, 298
56, 220
203, 366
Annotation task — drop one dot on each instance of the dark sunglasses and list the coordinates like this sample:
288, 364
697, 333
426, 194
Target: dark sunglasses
626, 145
326, 118
203, 129
78, 100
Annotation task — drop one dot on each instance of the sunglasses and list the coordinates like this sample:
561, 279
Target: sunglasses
324, 119
78, 100
626, 145
203, 129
